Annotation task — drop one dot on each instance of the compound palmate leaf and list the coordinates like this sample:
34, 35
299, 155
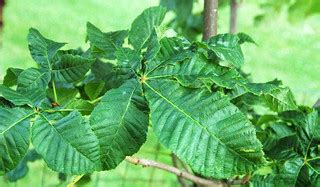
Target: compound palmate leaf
119, 125
14, 136
66, 144
205, 130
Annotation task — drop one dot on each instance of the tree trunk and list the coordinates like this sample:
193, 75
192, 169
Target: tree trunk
210, 19
2, 2
233, 16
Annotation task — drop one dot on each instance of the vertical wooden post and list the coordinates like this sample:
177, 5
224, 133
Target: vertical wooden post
233, 16
2, 2
210, 19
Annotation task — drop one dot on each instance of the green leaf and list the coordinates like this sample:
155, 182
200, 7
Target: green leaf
42, 49
94, 89
14, 97
183, 10
301, 9
277, 98
14, 136
67, 145
172, 50
198, 72
22, 168
32, 83
204, 130
227, 48
18, 172
143, 26
279, 141
64, 94
119, 125
286, 176
10, 79
70, 68
105, 43
111, 75
83, 106
128, 58
311, 125
243, 38
153, 46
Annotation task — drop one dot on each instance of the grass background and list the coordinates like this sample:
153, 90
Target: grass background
289, 52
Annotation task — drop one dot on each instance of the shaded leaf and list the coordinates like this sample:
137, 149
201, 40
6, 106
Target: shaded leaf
94, 89
83, 106
11, 77
64, 94
14, 97
105, 43
153, 46
22, 168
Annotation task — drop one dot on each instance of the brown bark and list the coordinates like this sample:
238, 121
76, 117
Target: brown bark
210, 19
233, 16
2, 2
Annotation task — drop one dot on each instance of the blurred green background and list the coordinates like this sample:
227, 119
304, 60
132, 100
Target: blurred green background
287, 51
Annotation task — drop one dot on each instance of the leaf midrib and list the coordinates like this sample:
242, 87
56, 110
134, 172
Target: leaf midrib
33, 82
121, 120
67, 142
17, 122
198, 123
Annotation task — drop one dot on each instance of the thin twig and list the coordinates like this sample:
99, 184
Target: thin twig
95, 100
54, 92
175, 164
75, 180
176, 171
